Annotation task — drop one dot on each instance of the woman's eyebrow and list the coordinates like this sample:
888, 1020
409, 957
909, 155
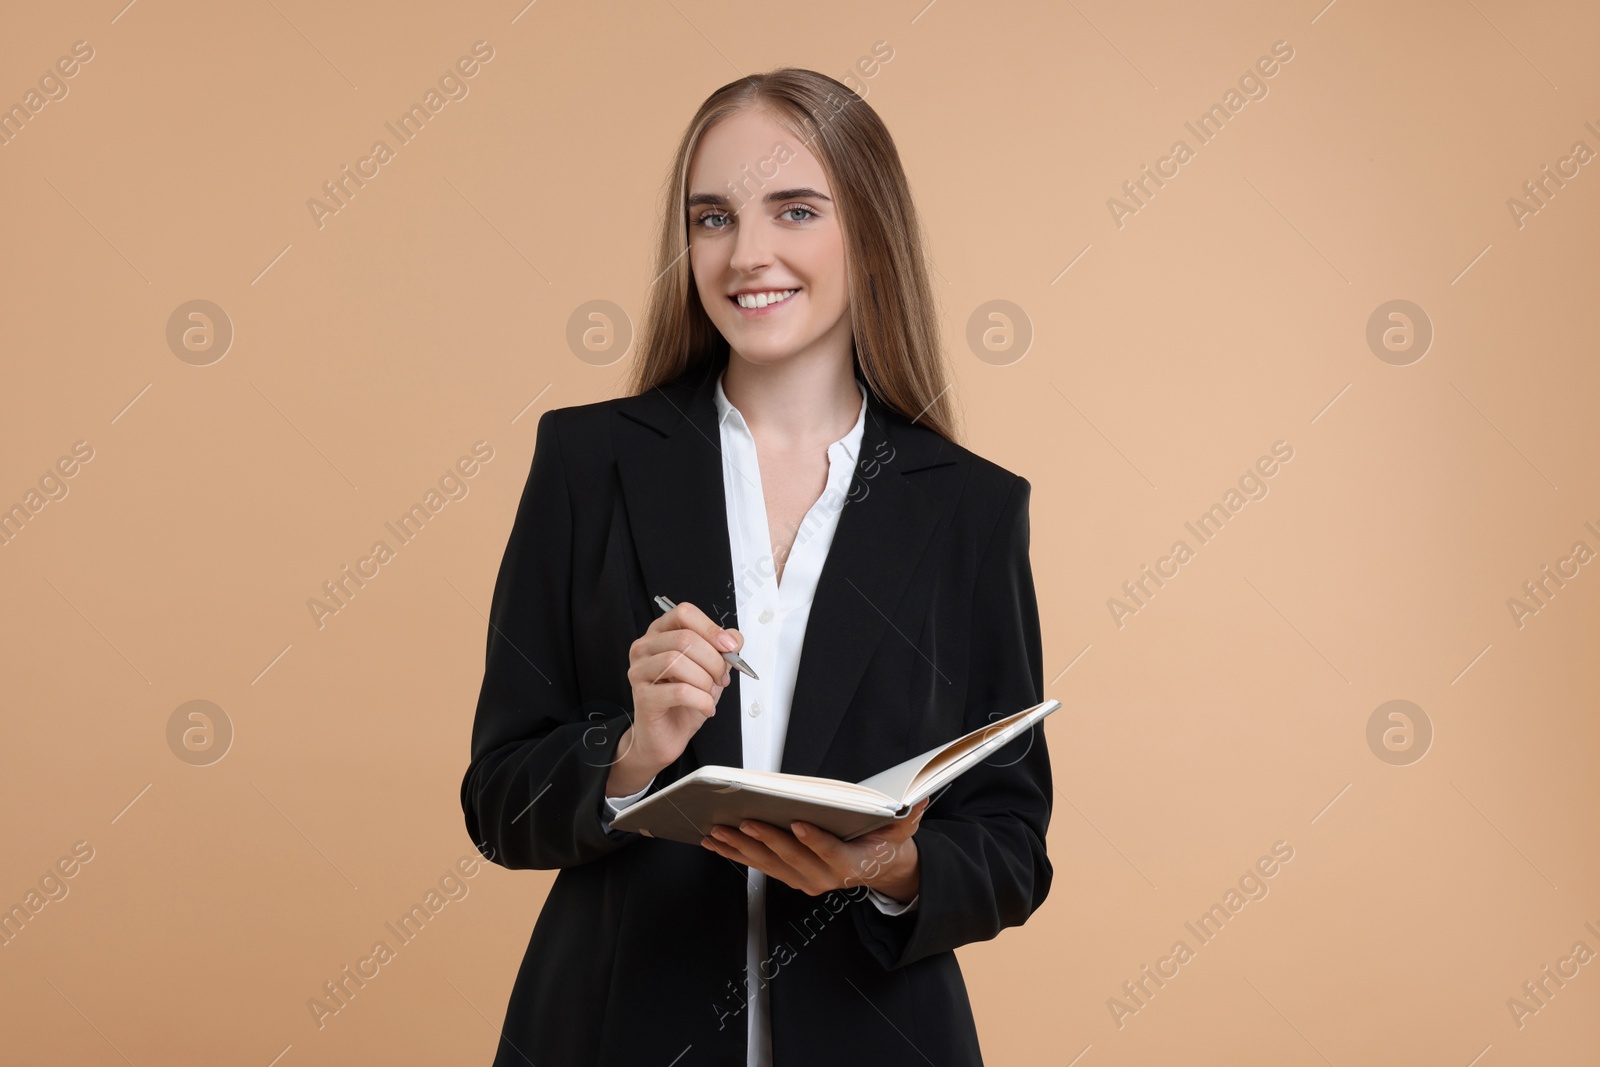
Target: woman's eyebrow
719, 200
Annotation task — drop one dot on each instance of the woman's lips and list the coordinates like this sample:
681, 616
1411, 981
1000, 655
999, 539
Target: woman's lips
752, 313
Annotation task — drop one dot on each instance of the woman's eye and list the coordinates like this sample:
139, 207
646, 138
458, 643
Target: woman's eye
709, 221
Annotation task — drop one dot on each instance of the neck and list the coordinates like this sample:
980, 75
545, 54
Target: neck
796, 401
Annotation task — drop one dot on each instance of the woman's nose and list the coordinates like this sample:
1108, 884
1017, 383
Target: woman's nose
752, 248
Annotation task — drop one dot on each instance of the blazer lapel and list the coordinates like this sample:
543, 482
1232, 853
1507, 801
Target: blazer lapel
884, 528
677, 512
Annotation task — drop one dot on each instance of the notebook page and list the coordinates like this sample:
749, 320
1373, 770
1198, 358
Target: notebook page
921, 775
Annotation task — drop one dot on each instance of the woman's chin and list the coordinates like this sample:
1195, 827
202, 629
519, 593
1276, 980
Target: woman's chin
764, 351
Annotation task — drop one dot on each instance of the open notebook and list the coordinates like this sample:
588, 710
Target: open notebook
687, 809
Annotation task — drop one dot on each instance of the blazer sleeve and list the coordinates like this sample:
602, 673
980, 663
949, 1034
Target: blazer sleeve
981, 842
532, 793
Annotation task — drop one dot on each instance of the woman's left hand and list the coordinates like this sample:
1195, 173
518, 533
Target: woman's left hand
814, 861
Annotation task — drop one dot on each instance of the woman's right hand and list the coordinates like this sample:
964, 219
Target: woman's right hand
678, 673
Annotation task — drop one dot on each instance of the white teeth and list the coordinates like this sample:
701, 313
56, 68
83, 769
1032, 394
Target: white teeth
761, 300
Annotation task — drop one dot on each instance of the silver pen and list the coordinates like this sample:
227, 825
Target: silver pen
733, 658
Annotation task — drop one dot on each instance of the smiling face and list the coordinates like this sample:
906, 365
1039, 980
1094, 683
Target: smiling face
765, 237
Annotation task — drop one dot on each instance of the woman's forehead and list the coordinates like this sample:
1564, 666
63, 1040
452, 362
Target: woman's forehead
752, 144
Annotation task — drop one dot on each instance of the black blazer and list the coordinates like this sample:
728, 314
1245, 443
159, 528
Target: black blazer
924, 626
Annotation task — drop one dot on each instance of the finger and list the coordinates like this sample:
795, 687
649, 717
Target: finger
696, 636
663, 697
815, 837
782, 847
686, 616
832, 851
677, 654
678, 664
854, 861
733, 845
726, 851
745, 845
848, 863
766, 864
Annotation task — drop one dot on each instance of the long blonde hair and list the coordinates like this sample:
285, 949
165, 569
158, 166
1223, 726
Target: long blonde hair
899, 350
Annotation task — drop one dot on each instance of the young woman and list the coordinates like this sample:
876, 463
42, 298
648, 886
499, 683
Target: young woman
786, 470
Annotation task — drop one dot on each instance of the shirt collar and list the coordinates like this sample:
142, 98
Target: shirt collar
851, 441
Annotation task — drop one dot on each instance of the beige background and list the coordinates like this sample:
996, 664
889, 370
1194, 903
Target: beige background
1166, 355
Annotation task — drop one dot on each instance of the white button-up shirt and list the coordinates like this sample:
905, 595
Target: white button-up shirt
772, 648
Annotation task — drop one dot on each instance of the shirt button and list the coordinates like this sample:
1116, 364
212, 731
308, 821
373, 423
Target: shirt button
766, 616
755, 708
